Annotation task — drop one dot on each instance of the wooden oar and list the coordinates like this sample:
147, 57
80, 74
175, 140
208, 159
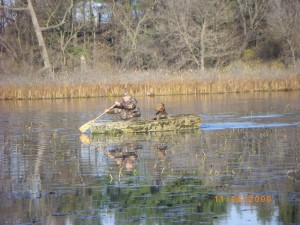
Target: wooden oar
87, 125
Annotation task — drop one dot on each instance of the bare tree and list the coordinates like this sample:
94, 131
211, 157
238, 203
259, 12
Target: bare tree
197, 32
38, 30
284, 21
62, 30
39, 35
252, 14
133, 22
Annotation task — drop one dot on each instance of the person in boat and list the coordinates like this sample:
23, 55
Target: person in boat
161, 112
128, 108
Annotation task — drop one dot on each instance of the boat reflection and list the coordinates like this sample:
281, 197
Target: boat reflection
124, 157
149, 157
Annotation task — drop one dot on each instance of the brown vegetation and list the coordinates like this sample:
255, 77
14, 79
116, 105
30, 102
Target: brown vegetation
83, 48
156, 82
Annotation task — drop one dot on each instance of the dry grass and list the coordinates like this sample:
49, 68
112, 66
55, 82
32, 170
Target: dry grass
237, 78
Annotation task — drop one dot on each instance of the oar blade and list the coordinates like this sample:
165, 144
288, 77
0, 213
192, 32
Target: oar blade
86, 126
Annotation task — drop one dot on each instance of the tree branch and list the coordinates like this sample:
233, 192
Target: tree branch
62, 22
13, 9
9, 48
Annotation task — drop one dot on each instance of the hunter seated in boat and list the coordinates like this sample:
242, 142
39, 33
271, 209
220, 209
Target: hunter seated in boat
126, 109
161, 112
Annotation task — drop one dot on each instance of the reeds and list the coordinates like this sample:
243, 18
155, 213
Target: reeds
141, 83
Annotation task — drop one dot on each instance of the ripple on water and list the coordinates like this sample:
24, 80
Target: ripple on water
244, 125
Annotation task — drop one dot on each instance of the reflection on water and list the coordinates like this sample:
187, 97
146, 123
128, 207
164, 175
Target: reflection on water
246, 122
241, 167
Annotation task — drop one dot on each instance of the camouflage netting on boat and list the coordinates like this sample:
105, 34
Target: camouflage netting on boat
174, 123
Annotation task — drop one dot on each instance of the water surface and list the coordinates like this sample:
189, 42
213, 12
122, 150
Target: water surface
240, 167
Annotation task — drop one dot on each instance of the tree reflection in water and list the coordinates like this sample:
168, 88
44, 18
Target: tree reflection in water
48, 176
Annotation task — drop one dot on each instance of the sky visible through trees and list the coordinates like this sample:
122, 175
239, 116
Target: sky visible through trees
147, 34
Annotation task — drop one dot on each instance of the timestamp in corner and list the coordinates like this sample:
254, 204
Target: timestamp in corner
243, 198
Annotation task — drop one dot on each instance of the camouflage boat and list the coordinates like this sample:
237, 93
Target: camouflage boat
174, 123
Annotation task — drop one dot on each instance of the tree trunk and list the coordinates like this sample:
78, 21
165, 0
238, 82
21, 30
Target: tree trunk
292, 52
202, 44
39, 35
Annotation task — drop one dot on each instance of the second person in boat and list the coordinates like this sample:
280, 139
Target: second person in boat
128, 108
161, 112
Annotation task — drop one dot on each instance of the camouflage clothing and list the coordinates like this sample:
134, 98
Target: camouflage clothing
161, 115
127, 110
161, 112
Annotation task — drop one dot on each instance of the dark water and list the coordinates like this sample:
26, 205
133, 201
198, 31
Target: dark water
241, 167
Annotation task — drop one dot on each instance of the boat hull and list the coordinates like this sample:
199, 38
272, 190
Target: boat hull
174, 123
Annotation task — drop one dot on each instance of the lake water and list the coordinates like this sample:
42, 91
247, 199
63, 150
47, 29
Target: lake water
242, 166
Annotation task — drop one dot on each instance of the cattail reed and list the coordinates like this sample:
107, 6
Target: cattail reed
150, 83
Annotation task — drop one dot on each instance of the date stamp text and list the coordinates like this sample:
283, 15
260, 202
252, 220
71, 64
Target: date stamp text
243, 199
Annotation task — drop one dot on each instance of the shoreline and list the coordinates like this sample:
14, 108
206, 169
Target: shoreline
147, 83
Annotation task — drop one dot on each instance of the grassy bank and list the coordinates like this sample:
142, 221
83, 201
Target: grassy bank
140, 83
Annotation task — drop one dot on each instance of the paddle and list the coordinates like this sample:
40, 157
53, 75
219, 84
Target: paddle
87, 125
